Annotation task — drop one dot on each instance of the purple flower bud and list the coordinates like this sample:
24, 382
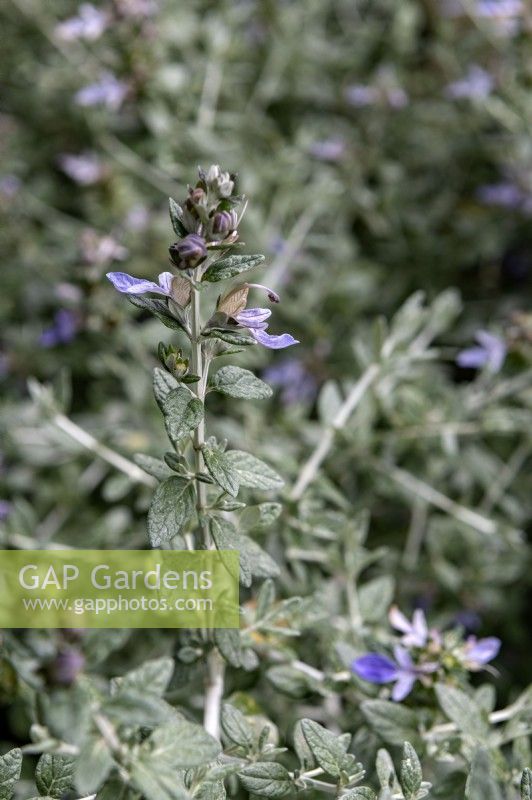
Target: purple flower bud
224, 221
189, 252
66, 667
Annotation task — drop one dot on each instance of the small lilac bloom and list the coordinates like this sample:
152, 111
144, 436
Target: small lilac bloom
5, 509
296, 383
328, 149
89, 24
9, 185
254, 319
478, 652
491, 352
376, 668
499, 9
476, 85
397, 98
108, 91
415, 633
137, 8
63, 330
101, 249
67, 666
85, 168
359, 95
137, 218
127, 284
505, 194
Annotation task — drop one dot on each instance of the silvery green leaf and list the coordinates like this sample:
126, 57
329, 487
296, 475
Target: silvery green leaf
375, 598
210, 790
159, 309
254, 473
181, 744
228, 643
236, 336
526, 784
93, 765
183, 412
138, 707
153, 676
480, 784
291, 681
10, 766
54, 774
386, 770
265, 598
267, 779
240, 383
463, 711
236, 727
228, 267
359, 793
329, 401
393, 722
163, 384
153, 466
157, 780
171, 509
254, 561
303, 751
221, 469
176, 216
410, 774
328, 750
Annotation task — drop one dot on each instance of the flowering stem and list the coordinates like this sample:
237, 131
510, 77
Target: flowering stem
214, 687
198, 368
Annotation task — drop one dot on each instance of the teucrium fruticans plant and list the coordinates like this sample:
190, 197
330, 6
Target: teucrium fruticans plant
204, 478
133, 737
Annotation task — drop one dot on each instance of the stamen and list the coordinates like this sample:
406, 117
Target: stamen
273, 297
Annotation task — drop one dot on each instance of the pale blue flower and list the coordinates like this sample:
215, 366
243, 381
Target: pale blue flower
402, 672
490, 352
477, 84
89, 24
83, 168
108, 91
478, 652
254, 319
63, 330
128, 284
415, 633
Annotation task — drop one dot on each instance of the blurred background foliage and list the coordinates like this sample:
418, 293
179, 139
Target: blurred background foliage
385, 147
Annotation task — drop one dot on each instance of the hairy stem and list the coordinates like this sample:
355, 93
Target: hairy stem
199, 368
214, 684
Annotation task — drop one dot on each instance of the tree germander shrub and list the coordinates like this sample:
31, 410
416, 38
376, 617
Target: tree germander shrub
403, 690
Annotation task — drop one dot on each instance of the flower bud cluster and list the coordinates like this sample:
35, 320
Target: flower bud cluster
209, 217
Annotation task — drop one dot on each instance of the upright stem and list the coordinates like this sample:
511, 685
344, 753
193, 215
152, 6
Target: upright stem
199, 388
214, 687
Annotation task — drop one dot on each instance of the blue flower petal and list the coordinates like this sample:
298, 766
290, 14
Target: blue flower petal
375, 668
273, 342
403, 686
472, 358
127, 284
482, 650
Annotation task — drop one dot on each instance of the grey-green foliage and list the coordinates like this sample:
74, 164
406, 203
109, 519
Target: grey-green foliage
10, 766
54, 775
